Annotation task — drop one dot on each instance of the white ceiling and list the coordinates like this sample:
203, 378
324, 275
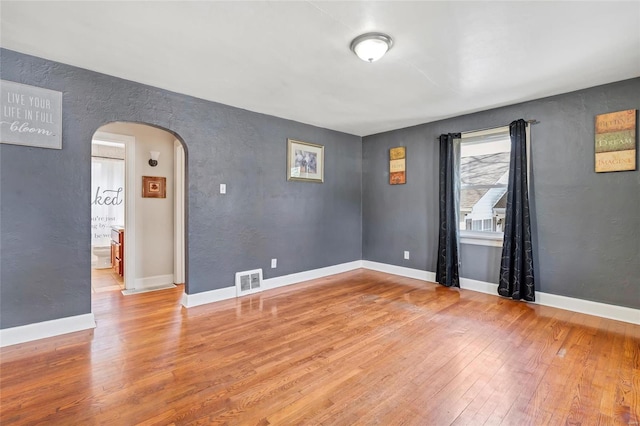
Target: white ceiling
292, 59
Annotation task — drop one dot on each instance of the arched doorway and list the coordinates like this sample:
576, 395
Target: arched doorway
146, 238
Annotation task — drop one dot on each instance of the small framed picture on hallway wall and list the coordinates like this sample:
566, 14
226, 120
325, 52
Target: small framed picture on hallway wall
154, 187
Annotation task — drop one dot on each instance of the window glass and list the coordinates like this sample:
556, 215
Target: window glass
484, 175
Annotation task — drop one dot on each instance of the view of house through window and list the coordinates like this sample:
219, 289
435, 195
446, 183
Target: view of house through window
484, 175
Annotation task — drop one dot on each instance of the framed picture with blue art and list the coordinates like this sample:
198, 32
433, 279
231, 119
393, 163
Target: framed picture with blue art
305, 161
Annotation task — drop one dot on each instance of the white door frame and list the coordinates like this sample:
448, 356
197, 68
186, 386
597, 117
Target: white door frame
179, 213
129, 202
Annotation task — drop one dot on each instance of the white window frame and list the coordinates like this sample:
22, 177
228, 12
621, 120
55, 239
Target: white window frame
485, 238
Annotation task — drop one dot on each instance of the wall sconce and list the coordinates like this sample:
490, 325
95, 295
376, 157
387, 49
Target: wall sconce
154, 158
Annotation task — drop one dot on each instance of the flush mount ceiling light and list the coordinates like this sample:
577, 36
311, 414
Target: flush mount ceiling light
371, 46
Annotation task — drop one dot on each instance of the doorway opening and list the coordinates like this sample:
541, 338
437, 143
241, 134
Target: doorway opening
140, 231
107, 213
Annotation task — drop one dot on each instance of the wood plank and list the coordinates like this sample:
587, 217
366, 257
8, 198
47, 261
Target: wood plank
361, 347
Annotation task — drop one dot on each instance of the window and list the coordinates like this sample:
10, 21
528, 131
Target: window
484, 175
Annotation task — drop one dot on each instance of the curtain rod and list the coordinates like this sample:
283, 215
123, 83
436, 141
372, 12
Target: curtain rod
529, 122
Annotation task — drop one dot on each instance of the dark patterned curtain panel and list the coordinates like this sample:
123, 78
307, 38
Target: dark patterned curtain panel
516, 267
448, 242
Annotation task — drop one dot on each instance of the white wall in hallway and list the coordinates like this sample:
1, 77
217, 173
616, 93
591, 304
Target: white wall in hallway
154, 216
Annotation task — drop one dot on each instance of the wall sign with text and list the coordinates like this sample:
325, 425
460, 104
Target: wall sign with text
616, 141
397, 166
30, 116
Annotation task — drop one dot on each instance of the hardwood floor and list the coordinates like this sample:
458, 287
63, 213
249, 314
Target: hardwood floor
359, 348
105, 280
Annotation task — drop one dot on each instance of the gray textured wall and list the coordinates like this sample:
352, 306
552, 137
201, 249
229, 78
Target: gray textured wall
45, 211
586, 225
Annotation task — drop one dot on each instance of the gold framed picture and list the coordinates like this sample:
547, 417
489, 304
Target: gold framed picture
305, 161
154, 187
397, 166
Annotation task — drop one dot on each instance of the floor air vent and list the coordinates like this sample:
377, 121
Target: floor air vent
248, 282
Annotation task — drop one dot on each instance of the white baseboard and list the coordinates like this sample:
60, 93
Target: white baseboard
619, 313
128, 292
479, 286
313, 274
154, 282
197, 299
604, 310
399, 270
42, 330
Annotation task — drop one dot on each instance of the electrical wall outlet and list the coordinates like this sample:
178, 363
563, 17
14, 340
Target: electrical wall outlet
274, 263
406, 255
223, 188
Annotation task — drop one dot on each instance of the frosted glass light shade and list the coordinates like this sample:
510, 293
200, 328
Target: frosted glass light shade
371, 46
153, 161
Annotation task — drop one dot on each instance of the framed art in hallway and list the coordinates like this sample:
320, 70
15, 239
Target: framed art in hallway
154, 187
305, 161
